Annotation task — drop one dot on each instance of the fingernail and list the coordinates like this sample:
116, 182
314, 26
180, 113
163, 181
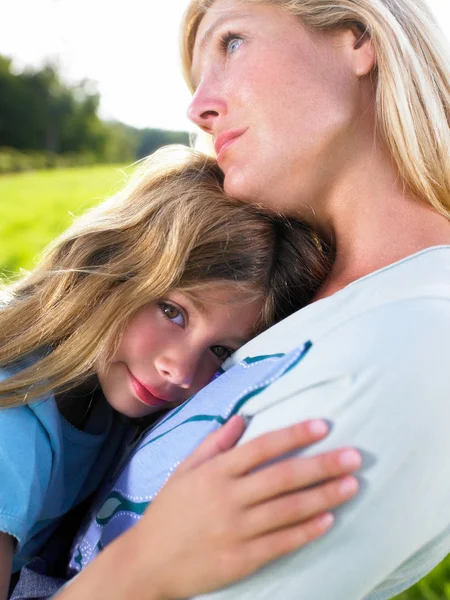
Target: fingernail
326, 520
350, 458
348, 485
318, 427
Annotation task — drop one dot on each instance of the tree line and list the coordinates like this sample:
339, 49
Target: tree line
42, 115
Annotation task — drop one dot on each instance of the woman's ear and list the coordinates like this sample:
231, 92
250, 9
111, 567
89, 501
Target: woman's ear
363, 57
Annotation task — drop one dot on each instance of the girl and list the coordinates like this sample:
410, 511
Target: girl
131, 311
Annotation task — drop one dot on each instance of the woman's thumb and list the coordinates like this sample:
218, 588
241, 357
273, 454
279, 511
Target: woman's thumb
217, 442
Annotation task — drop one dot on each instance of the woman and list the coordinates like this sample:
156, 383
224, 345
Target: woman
337, 111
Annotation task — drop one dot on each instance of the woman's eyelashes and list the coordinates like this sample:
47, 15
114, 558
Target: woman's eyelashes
173, 314
230, 42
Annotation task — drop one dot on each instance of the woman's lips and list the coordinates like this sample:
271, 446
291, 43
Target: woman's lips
145, 395
225, 140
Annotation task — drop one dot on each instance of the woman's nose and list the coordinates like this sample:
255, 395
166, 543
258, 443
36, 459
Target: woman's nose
206, 108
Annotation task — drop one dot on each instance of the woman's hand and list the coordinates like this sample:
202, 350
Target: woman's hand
223, 515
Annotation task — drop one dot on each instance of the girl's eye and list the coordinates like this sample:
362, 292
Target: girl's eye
230, 42
172, 313
221, 352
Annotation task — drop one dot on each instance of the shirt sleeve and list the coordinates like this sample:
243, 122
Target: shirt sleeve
25, 467
382, 380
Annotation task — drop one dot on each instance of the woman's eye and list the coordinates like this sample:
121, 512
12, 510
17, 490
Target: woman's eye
230, 42
234, 45
172, 313
221, 352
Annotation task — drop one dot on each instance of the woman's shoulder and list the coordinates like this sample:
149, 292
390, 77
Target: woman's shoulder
412, 275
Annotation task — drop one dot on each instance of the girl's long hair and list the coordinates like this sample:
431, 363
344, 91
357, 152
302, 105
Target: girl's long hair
170, 227
412, 78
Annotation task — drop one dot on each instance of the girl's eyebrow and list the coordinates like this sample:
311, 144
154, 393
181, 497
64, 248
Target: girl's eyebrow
235, 341
193, 302
240, 341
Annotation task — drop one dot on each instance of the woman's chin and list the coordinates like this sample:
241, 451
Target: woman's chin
241, 185
250, 189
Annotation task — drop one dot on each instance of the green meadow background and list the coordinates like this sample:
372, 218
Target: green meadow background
37, 206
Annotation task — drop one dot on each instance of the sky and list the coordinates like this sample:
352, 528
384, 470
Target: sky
129, 49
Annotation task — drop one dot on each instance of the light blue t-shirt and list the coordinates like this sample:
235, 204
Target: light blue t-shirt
47, 467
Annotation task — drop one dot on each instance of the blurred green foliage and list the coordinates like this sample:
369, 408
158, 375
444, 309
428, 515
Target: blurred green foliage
15, 161
46, 123
435, 586
39, 112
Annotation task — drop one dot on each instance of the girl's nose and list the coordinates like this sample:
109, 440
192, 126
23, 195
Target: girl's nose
178, 371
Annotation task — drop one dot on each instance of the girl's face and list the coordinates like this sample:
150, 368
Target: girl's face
172, 348
280, 100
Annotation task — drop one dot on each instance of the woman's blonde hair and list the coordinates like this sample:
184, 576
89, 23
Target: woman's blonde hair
412, 79
171, 227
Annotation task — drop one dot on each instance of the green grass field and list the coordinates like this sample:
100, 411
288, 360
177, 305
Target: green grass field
35, 207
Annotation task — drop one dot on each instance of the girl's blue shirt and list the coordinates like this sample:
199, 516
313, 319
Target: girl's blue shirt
47, 467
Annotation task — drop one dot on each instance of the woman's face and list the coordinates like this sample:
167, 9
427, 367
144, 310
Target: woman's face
280, 101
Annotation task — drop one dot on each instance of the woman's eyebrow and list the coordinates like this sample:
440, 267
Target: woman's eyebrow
220, 21
206, 38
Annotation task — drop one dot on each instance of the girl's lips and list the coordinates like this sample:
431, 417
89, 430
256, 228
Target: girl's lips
145, 395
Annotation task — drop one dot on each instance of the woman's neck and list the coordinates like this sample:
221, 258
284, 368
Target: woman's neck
375, 222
